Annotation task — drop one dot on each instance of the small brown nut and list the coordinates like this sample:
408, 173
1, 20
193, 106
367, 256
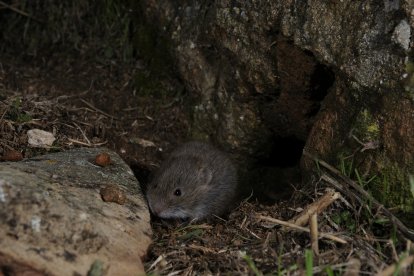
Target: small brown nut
112, 193
103, 159
12, 155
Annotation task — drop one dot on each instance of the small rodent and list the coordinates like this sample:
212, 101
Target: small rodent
194, 182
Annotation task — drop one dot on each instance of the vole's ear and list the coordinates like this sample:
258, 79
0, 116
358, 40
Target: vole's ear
205, 175
203, 172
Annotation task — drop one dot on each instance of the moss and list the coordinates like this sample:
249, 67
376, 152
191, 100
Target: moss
385, 180
392, 187
153, 48
363, 160
366, 126
196, 134
409, 80
345, 218
203, 122
145, 84
16, 112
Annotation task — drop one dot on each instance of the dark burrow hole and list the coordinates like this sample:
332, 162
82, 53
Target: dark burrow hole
142, 173
273, 171
282, 152
274, 168
6, 270
321, 80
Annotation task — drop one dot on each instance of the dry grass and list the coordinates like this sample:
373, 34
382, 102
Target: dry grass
243, 244
349, 233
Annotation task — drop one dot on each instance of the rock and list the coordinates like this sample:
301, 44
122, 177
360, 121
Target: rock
40, 138
270, 78
54, 221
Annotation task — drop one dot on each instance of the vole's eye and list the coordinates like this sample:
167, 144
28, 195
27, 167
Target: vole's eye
177, 192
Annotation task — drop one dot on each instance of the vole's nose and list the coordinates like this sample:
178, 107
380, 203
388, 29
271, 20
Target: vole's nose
155, 209
155, 212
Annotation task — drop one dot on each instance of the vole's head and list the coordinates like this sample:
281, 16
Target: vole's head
178, 188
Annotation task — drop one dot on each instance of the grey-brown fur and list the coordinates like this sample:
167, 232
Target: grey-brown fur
207, 180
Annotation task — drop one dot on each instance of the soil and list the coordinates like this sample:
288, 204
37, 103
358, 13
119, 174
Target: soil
86, 103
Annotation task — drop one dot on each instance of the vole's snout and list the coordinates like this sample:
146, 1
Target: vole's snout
151, 209
155, 209
150, 206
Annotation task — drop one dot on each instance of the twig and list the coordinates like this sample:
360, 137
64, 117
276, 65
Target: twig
353, 267
98, 110
407, 232
16, 10
4, 113
160, 258
313, 228
390, 270
86, 144
340, 266
201, 248
300, 228
316, 207
338, 186
83, 133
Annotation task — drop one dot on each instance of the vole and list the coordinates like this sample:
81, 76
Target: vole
194, 182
